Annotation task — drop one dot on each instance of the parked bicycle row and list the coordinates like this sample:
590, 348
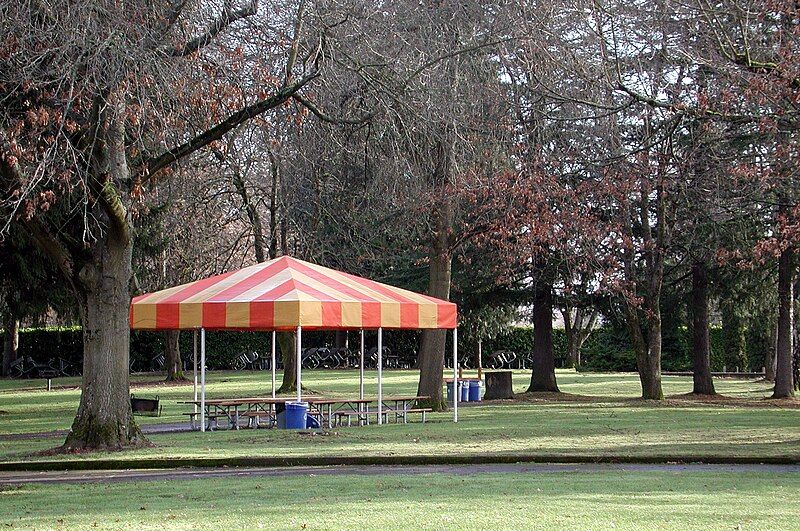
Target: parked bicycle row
325, 358
27, 367
312, 358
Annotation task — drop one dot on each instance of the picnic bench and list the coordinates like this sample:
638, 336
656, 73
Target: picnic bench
329, 411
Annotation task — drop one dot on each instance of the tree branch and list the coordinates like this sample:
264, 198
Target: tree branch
316, 111
152, 166
227, 18
12, 173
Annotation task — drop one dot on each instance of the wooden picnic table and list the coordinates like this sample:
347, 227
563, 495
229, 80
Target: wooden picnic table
325, 407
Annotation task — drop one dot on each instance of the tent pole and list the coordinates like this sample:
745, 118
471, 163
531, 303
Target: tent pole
455, 375
273, 364
299, 363
380, 375
194, 357
361, 369
202, 379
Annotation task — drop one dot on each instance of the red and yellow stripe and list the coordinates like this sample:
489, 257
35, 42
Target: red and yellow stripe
285, 293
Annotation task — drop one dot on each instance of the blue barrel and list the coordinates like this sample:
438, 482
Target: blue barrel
464, 391
296, 413
475, 391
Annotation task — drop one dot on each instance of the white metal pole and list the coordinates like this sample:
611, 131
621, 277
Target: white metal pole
273, 364
299, 362
202, 379
380, 375
361, 369
455, 375
194, 359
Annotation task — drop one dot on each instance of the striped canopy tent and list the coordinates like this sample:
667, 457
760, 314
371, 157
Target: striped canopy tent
287, 294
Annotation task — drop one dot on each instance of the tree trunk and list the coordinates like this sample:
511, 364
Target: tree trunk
701, 344
648, 352
273, 206
172, 354
650, 366
543, 375
734, 341
770, 359
10, 343
104, 419
784, 384
288, 345
431, 351
577, 329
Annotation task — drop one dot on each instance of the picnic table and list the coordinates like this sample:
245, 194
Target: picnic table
327, 409
232, 409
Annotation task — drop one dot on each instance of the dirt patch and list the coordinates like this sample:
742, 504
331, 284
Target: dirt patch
563, 397
161, 383
682, 400
723, 400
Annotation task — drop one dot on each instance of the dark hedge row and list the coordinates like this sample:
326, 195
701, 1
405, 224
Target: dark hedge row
607, 349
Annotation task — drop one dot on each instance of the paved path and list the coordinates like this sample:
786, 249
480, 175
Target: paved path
100, 476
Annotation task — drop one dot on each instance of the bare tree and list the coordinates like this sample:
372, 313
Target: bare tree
92, 116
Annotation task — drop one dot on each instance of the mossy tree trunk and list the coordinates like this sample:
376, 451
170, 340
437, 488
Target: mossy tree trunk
101, 284
104, 419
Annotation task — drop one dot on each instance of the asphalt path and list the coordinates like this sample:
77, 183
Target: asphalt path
117, 476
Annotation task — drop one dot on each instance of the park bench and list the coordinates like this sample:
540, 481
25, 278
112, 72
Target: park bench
403, 413
192, 419
254, 418
211, 420
361, 416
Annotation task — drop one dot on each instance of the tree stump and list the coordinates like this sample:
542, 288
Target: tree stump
498, 385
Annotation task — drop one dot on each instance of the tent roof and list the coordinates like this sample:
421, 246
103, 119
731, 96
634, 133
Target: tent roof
285, 293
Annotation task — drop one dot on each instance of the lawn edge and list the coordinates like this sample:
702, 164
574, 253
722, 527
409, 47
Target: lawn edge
410, 460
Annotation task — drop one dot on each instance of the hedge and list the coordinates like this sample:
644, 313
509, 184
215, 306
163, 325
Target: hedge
607, 349
44, 344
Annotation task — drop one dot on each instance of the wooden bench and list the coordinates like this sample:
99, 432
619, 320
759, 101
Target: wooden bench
211, 420
403, 413
361, 416
254, 418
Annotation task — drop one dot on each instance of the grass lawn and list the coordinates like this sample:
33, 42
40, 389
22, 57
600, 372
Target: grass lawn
614, 423
586, 500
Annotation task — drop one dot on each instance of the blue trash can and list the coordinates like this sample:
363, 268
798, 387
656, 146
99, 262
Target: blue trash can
296, 413
464, 391
475, 391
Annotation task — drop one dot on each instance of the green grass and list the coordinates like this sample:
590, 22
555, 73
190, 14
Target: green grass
615, 424
552, 500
